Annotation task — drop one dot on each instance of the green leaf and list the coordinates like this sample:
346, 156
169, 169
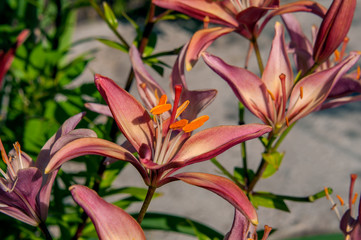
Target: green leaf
239, 174
268, 200
113, 44
336, 236
175, 16
173, 223
274, 161
109, 16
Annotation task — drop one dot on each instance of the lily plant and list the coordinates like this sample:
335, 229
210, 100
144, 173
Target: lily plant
24, 187
240, 16
163, 145
277, 98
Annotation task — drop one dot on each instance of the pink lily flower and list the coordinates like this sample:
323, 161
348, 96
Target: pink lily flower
149, 89
7, 58
275, 98
110, 221
163, 145
240, 16
24, 187
347, 89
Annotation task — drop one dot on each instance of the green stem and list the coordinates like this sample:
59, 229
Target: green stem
147, 200
258, 175
258, 54
45, 231
241, 109
282, 137
228, 174
114, 30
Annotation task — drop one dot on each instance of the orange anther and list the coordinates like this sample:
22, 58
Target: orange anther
163, 100
271, 94
287, 122
157, 110
301, 92
205, 21
3, 153
337, 55
327, 194
156, 95
358, 73
181, 108
354, 198
342, 202
346, 39
196, 123
179, 124
143, 85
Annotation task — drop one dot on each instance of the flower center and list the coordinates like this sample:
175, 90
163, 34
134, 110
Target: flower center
169, 131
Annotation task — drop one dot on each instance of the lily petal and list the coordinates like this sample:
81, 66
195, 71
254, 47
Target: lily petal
240, 227
277, 64
23, 197
298, 6
131, 117
247, 86
316, 88
301, 46
213, 141
199, 99
201, 41
110, 221
143, 77
95, 146
99, 108
199, 9
223, 187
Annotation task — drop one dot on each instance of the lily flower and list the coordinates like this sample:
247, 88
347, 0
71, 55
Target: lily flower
150, 91
7, 58
347, 89
240, 16
162, 145
110, 221
275, 98
24, 187
350, 224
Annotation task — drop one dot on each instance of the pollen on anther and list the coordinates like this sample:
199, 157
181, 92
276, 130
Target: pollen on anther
205, 21
271, 94
179, 124
157, 110
196, 123
342, 202
354, 198
358, 73
301, 92
337, 55
181, 108
287, 122
326, 193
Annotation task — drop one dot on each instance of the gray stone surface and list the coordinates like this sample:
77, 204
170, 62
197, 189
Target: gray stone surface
322, 149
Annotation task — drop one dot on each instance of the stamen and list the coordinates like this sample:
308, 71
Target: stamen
301, 92
354, 198
143, 85
179, 124
337, 55
205, 22
287, 122
163, 99
181, 108
18, 152
342, 202
326, 193
358, 73
284, 94
3, 154
344, 45
177, 94
271, 94
156, 95
157, 110
196, 123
